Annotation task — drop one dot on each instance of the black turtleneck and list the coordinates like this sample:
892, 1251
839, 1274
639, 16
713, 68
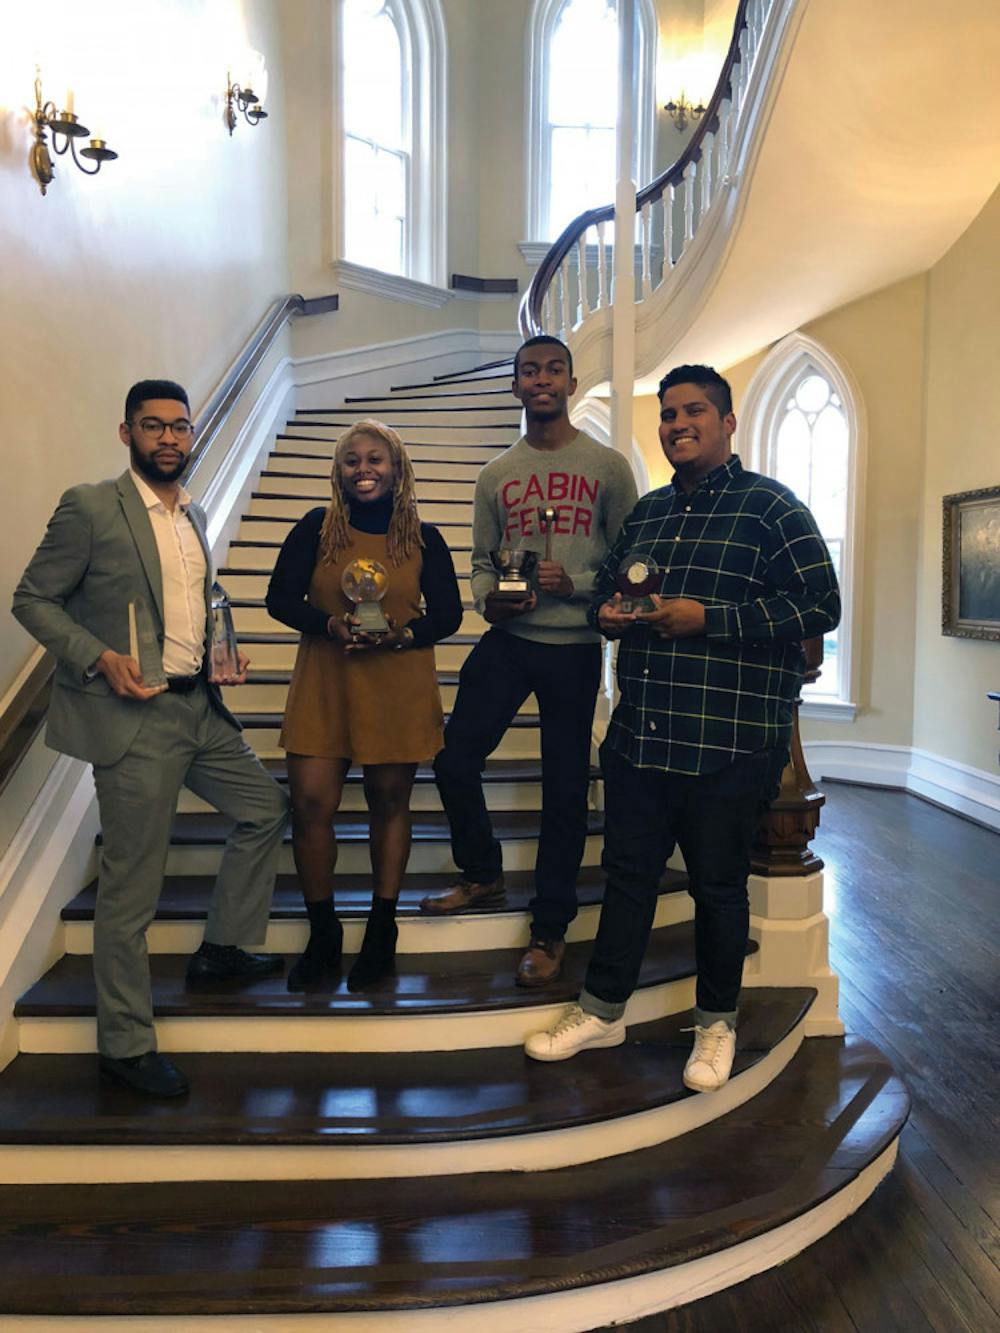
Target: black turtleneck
293, 571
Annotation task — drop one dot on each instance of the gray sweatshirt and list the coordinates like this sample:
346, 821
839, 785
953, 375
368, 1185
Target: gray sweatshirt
590, 486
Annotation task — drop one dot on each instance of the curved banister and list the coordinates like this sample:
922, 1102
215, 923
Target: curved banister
23, 718
530, 315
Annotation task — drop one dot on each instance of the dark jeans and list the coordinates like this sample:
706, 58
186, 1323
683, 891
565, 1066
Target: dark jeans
713, 818
498, 675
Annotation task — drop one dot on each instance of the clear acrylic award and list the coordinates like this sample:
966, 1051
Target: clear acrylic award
224, 657
143, 644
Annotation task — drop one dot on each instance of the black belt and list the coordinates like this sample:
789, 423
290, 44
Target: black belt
182, 684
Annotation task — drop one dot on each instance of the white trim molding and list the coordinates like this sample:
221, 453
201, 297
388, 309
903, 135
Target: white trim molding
359, 278
762, 403
545, 16
955, 786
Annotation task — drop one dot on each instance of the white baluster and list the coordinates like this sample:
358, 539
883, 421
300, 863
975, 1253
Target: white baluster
547, 310
646, 234
725, 129
668, 230
690, 184
564, 295
707, 174
602, 268
581, 253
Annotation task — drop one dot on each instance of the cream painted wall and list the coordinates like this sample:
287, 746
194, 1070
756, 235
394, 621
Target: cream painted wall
952, 716
162, 265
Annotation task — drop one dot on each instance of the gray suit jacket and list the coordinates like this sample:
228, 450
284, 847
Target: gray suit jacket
98, 554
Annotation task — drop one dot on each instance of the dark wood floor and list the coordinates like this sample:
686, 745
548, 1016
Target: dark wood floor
913, 894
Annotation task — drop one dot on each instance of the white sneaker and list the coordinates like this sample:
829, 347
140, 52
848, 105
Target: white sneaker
574, 1031
711, 1060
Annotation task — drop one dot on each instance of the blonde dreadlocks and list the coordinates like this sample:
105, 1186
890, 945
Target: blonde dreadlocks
404, 525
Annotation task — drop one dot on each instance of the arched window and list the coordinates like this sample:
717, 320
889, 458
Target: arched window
392, 63
804, 421
573, 63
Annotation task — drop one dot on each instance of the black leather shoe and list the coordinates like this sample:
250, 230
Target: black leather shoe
319, 966
227, 962
151, 1074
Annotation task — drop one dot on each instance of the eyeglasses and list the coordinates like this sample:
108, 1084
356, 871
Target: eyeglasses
154, 428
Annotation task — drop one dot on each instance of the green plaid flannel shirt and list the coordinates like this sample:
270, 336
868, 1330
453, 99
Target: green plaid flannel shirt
749, 551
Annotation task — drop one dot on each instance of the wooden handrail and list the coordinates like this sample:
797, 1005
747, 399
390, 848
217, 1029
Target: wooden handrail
24, 715
530, 313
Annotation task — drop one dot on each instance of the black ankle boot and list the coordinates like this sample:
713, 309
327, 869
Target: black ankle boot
319, 966
377, 958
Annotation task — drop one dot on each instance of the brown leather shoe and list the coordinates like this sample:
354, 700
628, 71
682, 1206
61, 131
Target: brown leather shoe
542, 963
464, 896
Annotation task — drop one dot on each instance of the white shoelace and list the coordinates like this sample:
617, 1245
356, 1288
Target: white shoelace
708, 1046
572, 1018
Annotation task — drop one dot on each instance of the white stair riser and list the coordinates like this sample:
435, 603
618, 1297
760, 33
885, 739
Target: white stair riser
499, 796
259, 530
468, 934
255, 585
414, 431
321, 450
441, 467
271, 699
318, 488
281, 656
360, 1031
432, 858
518, 743
431, 512
255, 619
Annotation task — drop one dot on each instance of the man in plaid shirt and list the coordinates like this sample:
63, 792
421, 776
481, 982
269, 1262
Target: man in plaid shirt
700, 735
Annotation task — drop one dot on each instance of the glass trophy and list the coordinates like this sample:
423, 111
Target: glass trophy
637, 577
365, 582
515, 568
144, 645
224, 657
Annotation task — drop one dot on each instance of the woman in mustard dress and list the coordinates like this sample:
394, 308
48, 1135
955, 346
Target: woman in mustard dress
357, 697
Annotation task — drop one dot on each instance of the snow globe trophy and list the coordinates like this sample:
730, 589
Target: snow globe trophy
365, 582
637, 577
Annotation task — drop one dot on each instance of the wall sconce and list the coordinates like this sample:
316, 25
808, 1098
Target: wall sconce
682, 113
64, 126
245, 98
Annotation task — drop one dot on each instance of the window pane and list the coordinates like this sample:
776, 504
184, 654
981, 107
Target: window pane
583, 72
829, 472
372, 74
583, 172
792, 454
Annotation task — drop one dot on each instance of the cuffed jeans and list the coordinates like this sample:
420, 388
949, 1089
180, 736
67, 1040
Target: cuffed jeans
497, 677
712, 817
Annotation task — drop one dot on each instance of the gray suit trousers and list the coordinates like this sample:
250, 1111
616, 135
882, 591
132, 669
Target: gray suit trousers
182, 742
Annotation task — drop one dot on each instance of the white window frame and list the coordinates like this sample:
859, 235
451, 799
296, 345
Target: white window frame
762, 411
423, 47
542, 24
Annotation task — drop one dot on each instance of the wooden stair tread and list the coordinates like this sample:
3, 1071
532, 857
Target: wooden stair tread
497, 770
274, 720
273, 1098
186, 897
429, 983
209, 829
257, 1247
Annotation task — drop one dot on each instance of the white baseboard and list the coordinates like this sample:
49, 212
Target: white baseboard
322, 380
959, 787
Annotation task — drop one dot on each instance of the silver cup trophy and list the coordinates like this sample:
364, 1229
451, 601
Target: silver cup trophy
637, 577
365, 582
224, 656
514, 567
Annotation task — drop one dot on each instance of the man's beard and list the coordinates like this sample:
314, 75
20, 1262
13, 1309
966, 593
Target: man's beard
147, 468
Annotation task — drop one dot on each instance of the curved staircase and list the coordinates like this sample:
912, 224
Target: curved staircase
391, 1160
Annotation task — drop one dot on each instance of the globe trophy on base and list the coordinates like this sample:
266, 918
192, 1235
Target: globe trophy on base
365, 582
637, 577
515, 568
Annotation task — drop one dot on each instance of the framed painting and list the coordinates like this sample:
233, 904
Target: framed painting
970, 589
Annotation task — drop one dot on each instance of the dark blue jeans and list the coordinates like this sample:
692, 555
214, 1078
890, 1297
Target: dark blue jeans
712, 817
497, 677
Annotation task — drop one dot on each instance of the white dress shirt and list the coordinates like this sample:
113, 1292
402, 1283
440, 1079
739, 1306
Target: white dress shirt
182, 565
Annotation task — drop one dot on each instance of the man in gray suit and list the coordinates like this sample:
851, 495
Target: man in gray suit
129, 555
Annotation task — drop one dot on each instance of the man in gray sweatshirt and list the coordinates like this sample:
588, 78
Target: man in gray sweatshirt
541, 645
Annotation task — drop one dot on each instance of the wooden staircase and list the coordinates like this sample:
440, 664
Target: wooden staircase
305, 1173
